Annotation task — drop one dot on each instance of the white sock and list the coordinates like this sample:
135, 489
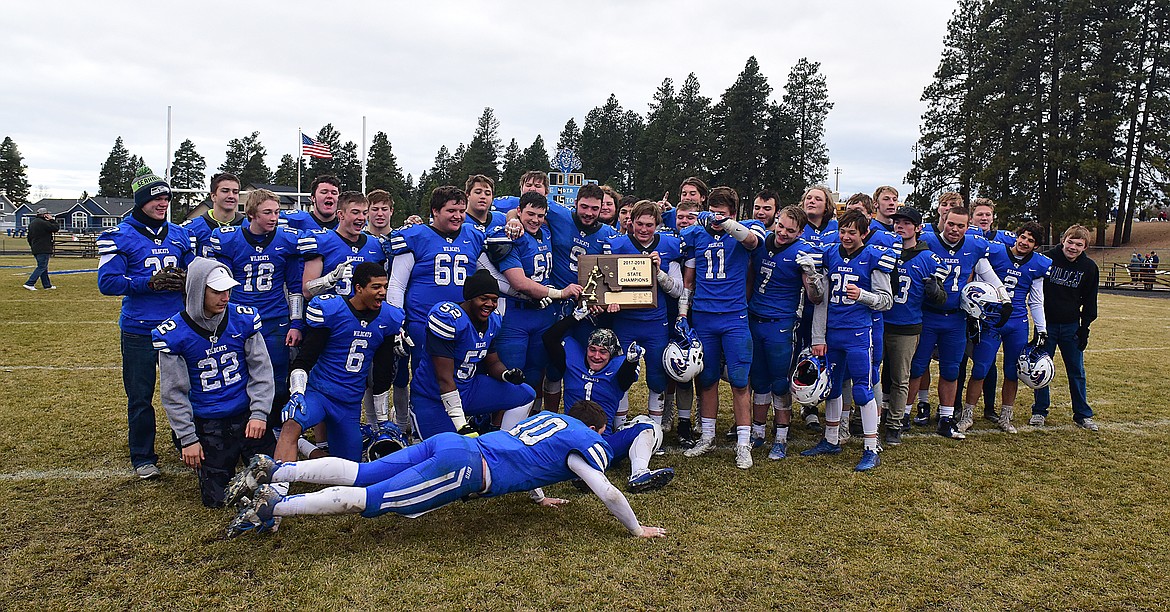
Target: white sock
305, 448
707, 427
512, 416
641, 449
758, 430
334, 500
327, 470
869, 419
946, 411
654, 406
909, 409
924, 395
619, 419
743, 435
782, 433
869, 444
832, 434
845, 414
833, 415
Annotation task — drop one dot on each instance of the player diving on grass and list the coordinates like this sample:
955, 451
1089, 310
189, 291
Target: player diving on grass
542, 450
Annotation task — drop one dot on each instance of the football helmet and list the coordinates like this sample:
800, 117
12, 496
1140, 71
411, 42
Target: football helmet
980, 301
383, 441
1035, 367
810, 380
683, 357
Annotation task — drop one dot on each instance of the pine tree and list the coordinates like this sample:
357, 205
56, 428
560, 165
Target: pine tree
286, 172
482, 155
601, 140
781, 155
187, 172
383, 172
348, 166
690, 142
319, 166
570, 137
739, 123
13, 173
114, 180
654, 168
245, 159
806, 98
509, 183
632, 128
535, 157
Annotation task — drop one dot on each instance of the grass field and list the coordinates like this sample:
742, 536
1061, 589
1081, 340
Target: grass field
1057, 518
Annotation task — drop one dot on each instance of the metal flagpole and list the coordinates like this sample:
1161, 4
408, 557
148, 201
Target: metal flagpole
167, 173
300, 155
363, 153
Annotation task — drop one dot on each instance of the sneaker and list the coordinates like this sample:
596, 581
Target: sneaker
29, 287
869, 460
946, 428
922, 418
685, 435
51, 287
822, 448
778, 452
256, 516
1087, 423
893, 430
146, 471
1037, 420
758, 442
966, 418
843, 435
703, 446
650, 480
743, 456
990, 414
259, 471
907, 422
1005, 420
811, 420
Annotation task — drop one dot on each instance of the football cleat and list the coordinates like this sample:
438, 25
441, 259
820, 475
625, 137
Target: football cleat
966, 418
1005, 420
731, 433
1037, 420
946, 428
757, 441
824, 447
869, 460
778, 452
256, 515
649, 480
258, 471
703, 446
990, 414
922, 419
743, 456
907, 422
685, 434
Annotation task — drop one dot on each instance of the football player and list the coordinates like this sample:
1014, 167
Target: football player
820, 229
684, 217
945, 326
764, 208
344, 338
143, 258
919, 282
857, 282
460, 343
533, 180
225, 198
266, 258
625, 208
215, 378
783, 271
648, 326
692, 190
609, 206
599, 371
542, 450
339, 249
718, 257
946, 201
380, 215
885, 199
479, 189
1022, 271
323, 214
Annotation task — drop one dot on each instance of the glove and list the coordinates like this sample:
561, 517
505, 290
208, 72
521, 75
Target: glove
402, 344
343, 271
169, 278
706, 219
809, 262
974, 330
634, 352
469, 431
580, 312
1040, 338
544, 302
1005, 313
294, 407
1082, 338
514, 376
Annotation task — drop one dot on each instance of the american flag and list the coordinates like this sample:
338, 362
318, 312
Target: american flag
313, 148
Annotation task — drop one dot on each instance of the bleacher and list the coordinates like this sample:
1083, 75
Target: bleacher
75, 245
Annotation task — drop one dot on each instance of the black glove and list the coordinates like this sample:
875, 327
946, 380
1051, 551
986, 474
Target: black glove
1040, 339
1082, 338
1005, 313
169, 278
514, 376
974, 330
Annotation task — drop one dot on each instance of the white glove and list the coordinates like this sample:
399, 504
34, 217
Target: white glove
809, 262
544, 302
580, 312
402, 344
634, 352
343, 271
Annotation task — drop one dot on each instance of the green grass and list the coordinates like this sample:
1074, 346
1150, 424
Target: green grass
1052, 519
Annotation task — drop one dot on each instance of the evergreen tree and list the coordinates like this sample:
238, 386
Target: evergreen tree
602, 137
781, 155
13, 173
320, 166
509, 183
690, 142
348, 166
535, 157
739, 123
286, 172
570, 137
245, 159
654, 168
115, 176
632, 128
383, 172
806, 98
187, 172
482, 155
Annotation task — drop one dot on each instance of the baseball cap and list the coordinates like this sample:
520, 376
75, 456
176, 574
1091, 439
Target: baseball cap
909, 213
220, 280
42, 211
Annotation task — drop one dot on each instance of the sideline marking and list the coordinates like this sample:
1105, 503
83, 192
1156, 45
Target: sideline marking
10, 368
111, 322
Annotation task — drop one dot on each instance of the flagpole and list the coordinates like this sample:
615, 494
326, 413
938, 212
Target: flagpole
300, 154
363, 154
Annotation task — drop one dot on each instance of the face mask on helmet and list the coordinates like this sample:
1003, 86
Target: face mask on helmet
810, 380
979, 300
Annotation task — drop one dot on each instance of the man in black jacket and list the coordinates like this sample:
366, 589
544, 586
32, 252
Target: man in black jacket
1070, 305
40, 237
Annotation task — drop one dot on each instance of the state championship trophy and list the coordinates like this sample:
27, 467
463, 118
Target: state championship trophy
626, 280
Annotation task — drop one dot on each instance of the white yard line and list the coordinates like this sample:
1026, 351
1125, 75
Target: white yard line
11, 368
58, 322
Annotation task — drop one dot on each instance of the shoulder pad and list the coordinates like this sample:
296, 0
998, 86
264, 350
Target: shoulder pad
442, 319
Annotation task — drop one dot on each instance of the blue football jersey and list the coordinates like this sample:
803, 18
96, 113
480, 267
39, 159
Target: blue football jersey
910, 288
217, 365
570, 240
721, 267
532, 254
778, 281
336, 250
451, 331
266, 266
345, 361
130, 254
495, 220
1018, 275
581, 383
1003, 237
958, 262
669, 248
841, 270
304, 221
535, 453
821, 236
200, 229
442, 264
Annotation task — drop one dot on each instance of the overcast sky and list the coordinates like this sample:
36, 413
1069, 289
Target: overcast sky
79, 74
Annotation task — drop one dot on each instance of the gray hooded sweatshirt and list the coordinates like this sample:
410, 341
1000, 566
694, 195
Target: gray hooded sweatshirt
173, 376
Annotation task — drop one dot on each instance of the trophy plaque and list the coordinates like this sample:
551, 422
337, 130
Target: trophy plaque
626, 280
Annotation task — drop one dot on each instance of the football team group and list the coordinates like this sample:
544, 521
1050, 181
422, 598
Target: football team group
457, 357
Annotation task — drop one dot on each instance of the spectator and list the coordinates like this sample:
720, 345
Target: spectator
1154, 260
1135, 266
1142, 215
40, 237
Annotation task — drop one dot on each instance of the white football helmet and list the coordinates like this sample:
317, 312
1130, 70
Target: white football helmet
1035, 367
683, 358
810, 380
980, 301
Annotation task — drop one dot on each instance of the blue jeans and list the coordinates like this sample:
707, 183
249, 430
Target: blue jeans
41, 271
139, 370
1064, 337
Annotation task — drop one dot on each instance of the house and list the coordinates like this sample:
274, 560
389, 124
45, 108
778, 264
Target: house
78, 216
288, 199
7, 214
